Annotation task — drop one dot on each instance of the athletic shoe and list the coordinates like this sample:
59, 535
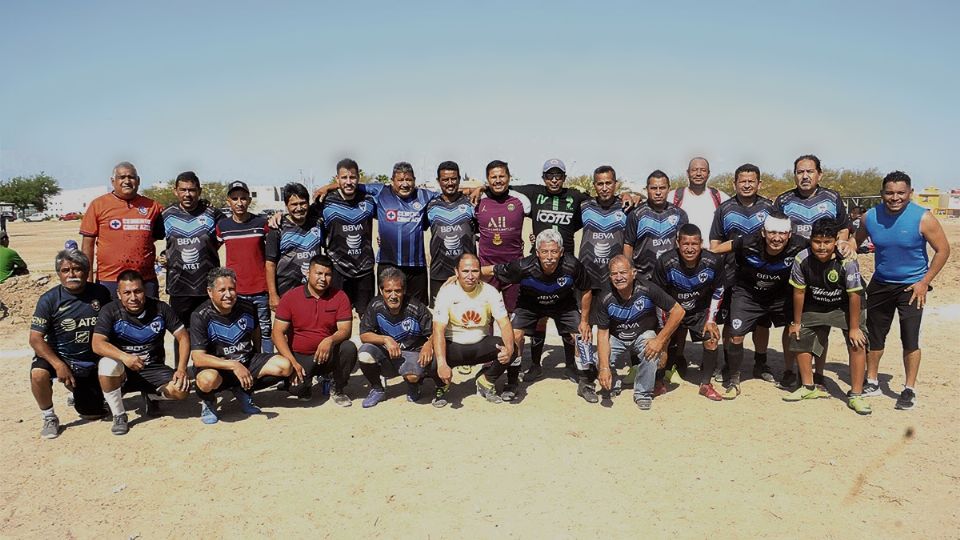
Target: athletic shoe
340, 398
803, 393
673, 376
465, 369
440, 396
509, 391
907, 399
486, 390
789, 381
570, 373
659, 388
587, 392
375, 396
871, 389
150, 407
731, 392
718, 375
302, 391
709, 392
617, 386
533, 373
762, 371
643, 402
51, 427
246, 402
70, 400
120, 426
413, 392
207, 413
859, 405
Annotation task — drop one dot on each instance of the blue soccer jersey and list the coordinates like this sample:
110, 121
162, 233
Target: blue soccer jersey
400, 223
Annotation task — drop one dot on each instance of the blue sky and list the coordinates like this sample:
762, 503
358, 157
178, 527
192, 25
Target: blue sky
262, 91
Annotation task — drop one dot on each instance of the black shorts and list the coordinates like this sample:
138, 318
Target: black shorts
360, 290
255, 366
184, 306
882, 300
746, 313
149, 379
87, 395
695, 323
568, 322
481, 352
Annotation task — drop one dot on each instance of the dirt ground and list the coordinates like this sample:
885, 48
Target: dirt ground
550, 466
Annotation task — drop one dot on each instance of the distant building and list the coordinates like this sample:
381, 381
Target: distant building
74, 200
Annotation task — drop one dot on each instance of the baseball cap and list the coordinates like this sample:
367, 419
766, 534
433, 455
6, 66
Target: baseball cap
237, 184
70, 244
554, 164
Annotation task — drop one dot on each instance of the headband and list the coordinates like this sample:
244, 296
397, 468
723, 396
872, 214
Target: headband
773, 224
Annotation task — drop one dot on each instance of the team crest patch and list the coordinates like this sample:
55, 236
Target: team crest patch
737, 323
511, 207
115, 224
417, 205
142, 210
563, 281
703, 277
242, 323
362, 206
762, 215
673, 219
407, 325
391, 215
822, 207
618, 215
462, 208
833, 276
156, 326
95, 305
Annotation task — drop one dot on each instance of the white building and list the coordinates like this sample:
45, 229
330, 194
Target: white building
74, 200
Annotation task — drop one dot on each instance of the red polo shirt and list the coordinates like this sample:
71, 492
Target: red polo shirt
313, 319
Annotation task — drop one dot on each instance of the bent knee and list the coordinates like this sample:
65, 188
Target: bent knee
736, 340
280, 366
108, 367
364, 357
208, 380
40, 376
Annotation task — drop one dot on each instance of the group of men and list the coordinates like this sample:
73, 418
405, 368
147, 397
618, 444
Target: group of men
650, 269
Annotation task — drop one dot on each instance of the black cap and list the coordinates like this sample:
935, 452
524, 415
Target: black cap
237, 184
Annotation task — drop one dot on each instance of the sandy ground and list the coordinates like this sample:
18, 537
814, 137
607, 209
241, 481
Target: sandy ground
550, 466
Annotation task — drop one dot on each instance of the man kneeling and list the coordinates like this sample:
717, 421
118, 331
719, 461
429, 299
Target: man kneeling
226, 337
129, 336
395, 332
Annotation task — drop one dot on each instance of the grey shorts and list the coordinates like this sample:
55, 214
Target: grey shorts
815, 330
407, 364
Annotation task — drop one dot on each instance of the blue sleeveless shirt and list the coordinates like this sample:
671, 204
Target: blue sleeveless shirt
901, 250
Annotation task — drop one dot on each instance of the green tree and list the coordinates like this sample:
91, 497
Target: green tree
213, 192
26, 191
382, 178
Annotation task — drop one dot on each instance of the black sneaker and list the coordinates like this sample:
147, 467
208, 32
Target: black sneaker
789, 381
120, 426
587, 392
871, 390
762, 371
150, 407
907, 399
440, 396
533, 373
570, 373
509, 392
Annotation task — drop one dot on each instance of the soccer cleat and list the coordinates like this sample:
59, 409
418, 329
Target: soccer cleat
413, 392
587, 392
440, 396
375, 396
804, 393
340, 398
486, 390
120, 425
673, 376
731, 391
51, 427
789, 381
207, 413
871, 389
533, 373
465, 369
762, 371
246, 402
150, 407
709, 392
644, 402
659, 388
859, 405
907, 399
509, 391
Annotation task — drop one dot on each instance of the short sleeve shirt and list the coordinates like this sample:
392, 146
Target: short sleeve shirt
603, 231
291, 247
805, 211
348, 226
694, 288
453, 228
558, 211
652, 233
410, 328
141, 334
124, 232
540, 292
67, 320
764, 276
500, 226
627, 318
192, 248
469, 316
228, 336
827, 284
313, 319
246, 251
400, 224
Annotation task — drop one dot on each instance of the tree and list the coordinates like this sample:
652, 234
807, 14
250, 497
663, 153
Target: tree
26, 191
213, 192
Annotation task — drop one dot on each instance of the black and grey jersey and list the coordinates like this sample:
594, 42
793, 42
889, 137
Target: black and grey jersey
540, 292
652, 233
348, 227
291, 247
192, 247
604, 226
410, 328
67, 321
229, 336
694, 288
764, 276
805, 211
734, 219
139, 334
627, 318
453, 232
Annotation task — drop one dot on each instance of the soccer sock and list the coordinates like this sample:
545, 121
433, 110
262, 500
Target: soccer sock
810, 387
709, 361
372, 373
760, 359
47, 413
536, 347
910, 388
413, 386
114, 400
875, 382
513, 375
734, 354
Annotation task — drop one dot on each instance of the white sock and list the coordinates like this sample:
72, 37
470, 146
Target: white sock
910, 388
875, 382
47, 413
114, 400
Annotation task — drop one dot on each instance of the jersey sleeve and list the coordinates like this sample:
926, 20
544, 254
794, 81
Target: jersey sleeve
660, 273
105, 321
853, 279
272, 246
425, 320
170, 318
684, 219
660, 298
630, 233
43, 315
90, 223
797, 278
441, 306
372, 189
368, 320
600, 315
159, 230
198, 331
581, 279
495, 300
510, 272
716, 229
843, 219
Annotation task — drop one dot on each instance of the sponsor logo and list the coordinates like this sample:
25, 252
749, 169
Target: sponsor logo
83, 337
601, 249
833, 276
115, 224
187, 241
391, 215
499, 222
352, 228
354, 241
470, 317
39, 321
451, 243
555, 218
190, 255
68, 325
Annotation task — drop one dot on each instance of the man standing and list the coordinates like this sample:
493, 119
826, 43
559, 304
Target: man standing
312, 331
810, 202
243, 235
699, 201
453, 227
604, 225
290, 247
60, 338
652, 226
10, 262
120, 228
129, 336
226, 339
901, 231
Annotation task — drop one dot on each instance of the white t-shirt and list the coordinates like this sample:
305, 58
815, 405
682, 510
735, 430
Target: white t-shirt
699, 209
469, 316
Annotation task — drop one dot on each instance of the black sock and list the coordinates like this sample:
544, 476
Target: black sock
536, 347
709, 361
372, 373
760, 359
569, 355
734, 353
513, 375
206, 396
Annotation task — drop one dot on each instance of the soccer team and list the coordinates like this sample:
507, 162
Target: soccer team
650, 271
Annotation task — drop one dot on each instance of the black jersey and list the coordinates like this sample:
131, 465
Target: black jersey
733, 219
141, 334
558, 211
805, 211
694, 288
453, 229
652, 233
67, 321
191, 248
627, 318
827, 284
348, 226
763, 276
227, 336
540, 292
410, 328
291, 247
602, 239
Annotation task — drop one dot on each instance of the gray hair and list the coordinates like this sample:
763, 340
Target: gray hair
124, 165
402, 167
549, 235
72, 255
389, 273
220, 272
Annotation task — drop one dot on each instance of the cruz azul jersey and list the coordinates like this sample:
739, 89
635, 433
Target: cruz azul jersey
651, 233
410, 328
291, 248
602, 238
500, 224
67, 321
141, 334
762, 275
453, 227
191, 248
229, 336
539, 291
627, 318
348, 226
828, 284
734, 219
805, 211
125, 231
400, 224
559, 211
694, 288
